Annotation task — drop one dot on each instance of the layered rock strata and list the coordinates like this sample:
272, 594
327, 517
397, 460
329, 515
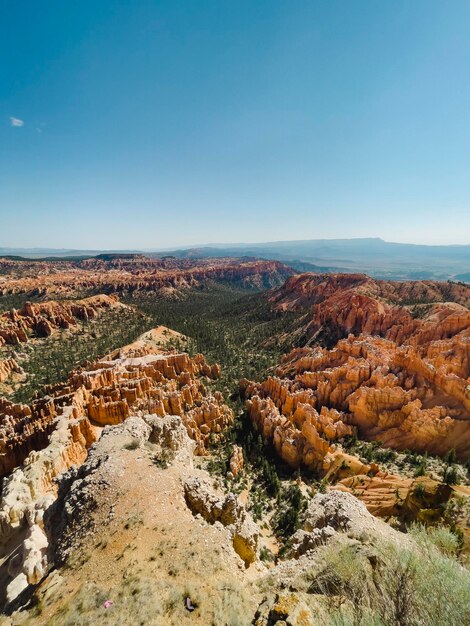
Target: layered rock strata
42, 319
300, 434
401, 376
53, 433
41, 441
135, 273
360, 303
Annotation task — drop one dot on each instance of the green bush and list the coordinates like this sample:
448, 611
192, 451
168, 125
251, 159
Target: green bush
419, 490
399, 585
451, 475
290, 516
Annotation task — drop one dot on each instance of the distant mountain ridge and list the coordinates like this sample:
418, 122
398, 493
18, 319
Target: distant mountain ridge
374, 256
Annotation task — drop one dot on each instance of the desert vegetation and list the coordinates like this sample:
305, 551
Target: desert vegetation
400, 586
366, 583
49, 361
233, 327
237, 328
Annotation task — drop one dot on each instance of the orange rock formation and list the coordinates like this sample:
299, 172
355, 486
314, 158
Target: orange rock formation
415, 312
143, 379
7, 366
403, 377
43, 318
134, 273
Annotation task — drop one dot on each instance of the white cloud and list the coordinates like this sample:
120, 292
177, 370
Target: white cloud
14, 121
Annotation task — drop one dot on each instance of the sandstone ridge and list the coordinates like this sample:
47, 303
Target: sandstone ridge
41, 441
42, 319
138, 274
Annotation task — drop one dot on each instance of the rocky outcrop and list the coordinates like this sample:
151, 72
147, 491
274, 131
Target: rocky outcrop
236, 462
43, 318
23, 429
8, 367
416, 312
342, 512
285, 608
204, 501
31, 490
402, 374
121, 524
135, 273
392, 393
144, 379
300, 434
390, 496
41, 441
171, 436
66, 445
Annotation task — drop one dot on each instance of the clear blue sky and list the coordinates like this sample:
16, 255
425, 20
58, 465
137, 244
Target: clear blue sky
145, 124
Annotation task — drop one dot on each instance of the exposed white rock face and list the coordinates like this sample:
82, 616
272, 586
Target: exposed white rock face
31, 562
35, 554
170, 433
31, 490
28, 493
343, 512
203, 500
302, 541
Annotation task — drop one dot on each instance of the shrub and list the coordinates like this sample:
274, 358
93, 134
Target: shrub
451, 457
451, 475
399, 586
289, 517
422, 467
419, 490
133, 444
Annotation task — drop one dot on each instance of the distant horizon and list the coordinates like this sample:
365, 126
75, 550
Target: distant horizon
223, 244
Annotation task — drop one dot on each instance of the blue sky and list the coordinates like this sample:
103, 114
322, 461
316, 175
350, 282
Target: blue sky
129, 124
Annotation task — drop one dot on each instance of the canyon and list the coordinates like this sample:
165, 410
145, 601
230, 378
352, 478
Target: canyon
133, 273
267, 457
400, 370
395, 378
41, 441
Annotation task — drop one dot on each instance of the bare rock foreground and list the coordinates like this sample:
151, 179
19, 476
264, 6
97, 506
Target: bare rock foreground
138, 535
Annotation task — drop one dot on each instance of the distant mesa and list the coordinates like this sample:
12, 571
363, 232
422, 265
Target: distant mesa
374, 256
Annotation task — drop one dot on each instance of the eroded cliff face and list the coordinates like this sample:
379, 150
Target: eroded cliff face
137, 273
41, 441
401, 376
7, 367
42, 319
406, 397
389, 393
407, 312
141, 377
301, 435
310, 289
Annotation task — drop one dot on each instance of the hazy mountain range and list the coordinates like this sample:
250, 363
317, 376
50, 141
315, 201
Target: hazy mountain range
373, 256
